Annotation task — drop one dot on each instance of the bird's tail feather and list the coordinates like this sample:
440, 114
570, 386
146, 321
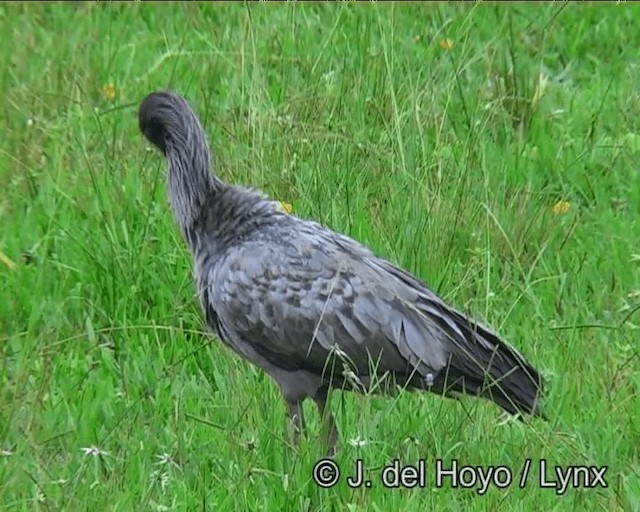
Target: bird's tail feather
484, 365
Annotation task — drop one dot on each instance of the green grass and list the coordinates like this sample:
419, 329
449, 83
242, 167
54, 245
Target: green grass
446, 162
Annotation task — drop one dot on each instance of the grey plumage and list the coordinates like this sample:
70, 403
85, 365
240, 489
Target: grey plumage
313, 308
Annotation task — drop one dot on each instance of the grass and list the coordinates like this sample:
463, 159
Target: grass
440, 135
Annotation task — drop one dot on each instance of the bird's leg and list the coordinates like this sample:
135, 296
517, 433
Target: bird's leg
328, 421
297, 420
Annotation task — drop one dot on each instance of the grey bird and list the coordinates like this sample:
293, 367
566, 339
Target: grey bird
315, 309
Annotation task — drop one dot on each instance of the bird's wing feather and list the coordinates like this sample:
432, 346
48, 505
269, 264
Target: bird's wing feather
294, 302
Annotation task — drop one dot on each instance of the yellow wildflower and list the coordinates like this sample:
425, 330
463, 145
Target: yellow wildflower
284, 207
446, 44
561, 207
109, 91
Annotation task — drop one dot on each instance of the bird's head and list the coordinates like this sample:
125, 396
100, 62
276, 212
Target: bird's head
168, 122
164, 117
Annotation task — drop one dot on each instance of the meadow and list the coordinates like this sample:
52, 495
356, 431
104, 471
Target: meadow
493, 150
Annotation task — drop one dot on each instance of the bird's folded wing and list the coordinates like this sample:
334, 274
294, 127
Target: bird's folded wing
295, 312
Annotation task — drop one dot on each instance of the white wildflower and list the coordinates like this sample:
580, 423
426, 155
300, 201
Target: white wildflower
165, 459
94, 451
429, 379
357, 442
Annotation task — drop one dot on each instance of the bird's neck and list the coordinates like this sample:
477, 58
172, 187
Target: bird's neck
191, 183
